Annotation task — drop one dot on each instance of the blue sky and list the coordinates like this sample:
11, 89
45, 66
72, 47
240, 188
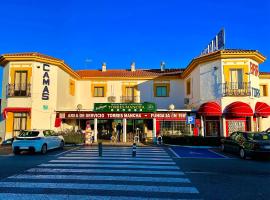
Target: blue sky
121, 31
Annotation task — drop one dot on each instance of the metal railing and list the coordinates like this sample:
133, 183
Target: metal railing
130, 99
236, 89
19, 90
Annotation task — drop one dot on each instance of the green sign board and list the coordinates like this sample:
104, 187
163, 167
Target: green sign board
125, 107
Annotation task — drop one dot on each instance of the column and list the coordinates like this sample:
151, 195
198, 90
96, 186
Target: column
223, 126
95, 129
154, 134
202, 126
251, 123
260, 123
124, 130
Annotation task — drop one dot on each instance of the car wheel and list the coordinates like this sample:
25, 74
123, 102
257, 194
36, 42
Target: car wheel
61, 145
223, 148
16, 152
44, 149
242, 153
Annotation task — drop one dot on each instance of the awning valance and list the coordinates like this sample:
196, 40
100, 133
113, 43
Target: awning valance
210, 109
15, 109
238, 109
262, 109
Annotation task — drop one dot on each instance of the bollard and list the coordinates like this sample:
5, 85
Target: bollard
100, 149
134, 150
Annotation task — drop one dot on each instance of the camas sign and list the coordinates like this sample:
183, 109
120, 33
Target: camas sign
46, 82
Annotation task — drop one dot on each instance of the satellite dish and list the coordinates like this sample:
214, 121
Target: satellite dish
79, 106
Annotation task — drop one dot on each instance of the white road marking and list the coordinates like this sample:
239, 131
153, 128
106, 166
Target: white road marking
66, 151
107, 187
22, 196
174, 153
104, 158
104, 171
120, 166
121, 154
112, 161
218, 153
105, 178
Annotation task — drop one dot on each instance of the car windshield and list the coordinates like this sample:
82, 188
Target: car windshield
261, 136
29, 134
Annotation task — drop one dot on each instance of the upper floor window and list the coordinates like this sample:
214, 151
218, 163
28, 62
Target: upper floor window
161, 91
263, 90
72, 87
99, 92
20, 83
188, 87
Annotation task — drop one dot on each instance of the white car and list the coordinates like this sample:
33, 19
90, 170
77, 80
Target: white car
37, 141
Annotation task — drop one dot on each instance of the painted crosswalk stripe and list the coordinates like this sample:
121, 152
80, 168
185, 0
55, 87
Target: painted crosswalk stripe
115, 155
104, 171
115, 159
120, 166
105, 178
72, 197
120, 150
114, 187
112, 161
121, 154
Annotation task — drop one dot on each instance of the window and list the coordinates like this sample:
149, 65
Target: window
19, 122
161, 91
188, 86
236, 78
20, 83
72, 87
98, 91
174, 128
130, 91
263, 90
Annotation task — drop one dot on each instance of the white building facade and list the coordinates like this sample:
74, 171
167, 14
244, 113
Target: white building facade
42, 92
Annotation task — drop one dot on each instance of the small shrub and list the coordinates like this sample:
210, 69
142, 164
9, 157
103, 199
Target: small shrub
72, 137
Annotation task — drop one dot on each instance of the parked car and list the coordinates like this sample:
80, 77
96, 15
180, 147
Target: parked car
7, 142
247, 144
37, 141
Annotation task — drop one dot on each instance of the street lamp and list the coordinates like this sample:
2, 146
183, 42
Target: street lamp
171, 108
79, 108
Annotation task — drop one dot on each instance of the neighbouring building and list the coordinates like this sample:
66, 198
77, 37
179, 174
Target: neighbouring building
214, 95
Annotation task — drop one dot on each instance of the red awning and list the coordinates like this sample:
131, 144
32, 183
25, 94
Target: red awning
15, 109
262, 109
210, 109
238, 109
57, 122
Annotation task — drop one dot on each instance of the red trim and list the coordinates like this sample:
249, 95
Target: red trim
234, 119
262, 109
57, 122
238, 109
15, 109
158, 127
210, 109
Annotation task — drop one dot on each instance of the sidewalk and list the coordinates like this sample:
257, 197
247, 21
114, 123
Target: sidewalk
5, 150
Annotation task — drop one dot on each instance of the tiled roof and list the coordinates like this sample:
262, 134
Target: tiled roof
32, 54
128, 73
264, 73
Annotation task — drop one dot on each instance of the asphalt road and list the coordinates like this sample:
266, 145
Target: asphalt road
226, 177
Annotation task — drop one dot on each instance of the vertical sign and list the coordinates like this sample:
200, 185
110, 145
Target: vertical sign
46, 82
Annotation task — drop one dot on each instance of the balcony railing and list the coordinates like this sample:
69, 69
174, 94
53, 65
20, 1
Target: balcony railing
130, 99
236, 89
19, 90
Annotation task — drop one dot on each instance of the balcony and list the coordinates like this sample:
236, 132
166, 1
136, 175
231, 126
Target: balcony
236, 89
130, 99
19, 90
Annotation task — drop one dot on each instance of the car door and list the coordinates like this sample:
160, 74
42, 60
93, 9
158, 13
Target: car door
229, 142
48, 139
55, 138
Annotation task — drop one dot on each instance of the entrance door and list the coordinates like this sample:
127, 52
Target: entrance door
135, 127
19, 123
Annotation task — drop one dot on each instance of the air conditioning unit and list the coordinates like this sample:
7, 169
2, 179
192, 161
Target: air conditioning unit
111, 99
186, 101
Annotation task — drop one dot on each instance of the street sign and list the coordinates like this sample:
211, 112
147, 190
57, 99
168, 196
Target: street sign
190, 119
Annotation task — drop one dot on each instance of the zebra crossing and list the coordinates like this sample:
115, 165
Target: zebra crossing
82, 174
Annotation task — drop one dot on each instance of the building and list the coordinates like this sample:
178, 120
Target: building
220, 92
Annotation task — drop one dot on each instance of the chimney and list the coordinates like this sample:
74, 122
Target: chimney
103, 67
162, 66
132, 67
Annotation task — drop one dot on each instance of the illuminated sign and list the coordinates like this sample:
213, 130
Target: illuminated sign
125, 107
254, 69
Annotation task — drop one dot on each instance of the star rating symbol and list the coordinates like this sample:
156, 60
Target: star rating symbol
111, 109
124, 109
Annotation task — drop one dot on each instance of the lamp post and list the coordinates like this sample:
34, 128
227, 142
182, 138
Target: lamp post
79, 108
171, 108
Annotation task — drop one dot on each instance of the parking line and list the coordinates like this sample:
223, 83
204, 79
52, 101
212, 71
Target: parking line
218, 153
174, 153
66, 151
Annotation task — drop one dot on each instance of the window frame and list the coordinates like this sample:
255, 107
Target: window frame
99, 87
188, 86
265, 90
162, 95
23, 116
